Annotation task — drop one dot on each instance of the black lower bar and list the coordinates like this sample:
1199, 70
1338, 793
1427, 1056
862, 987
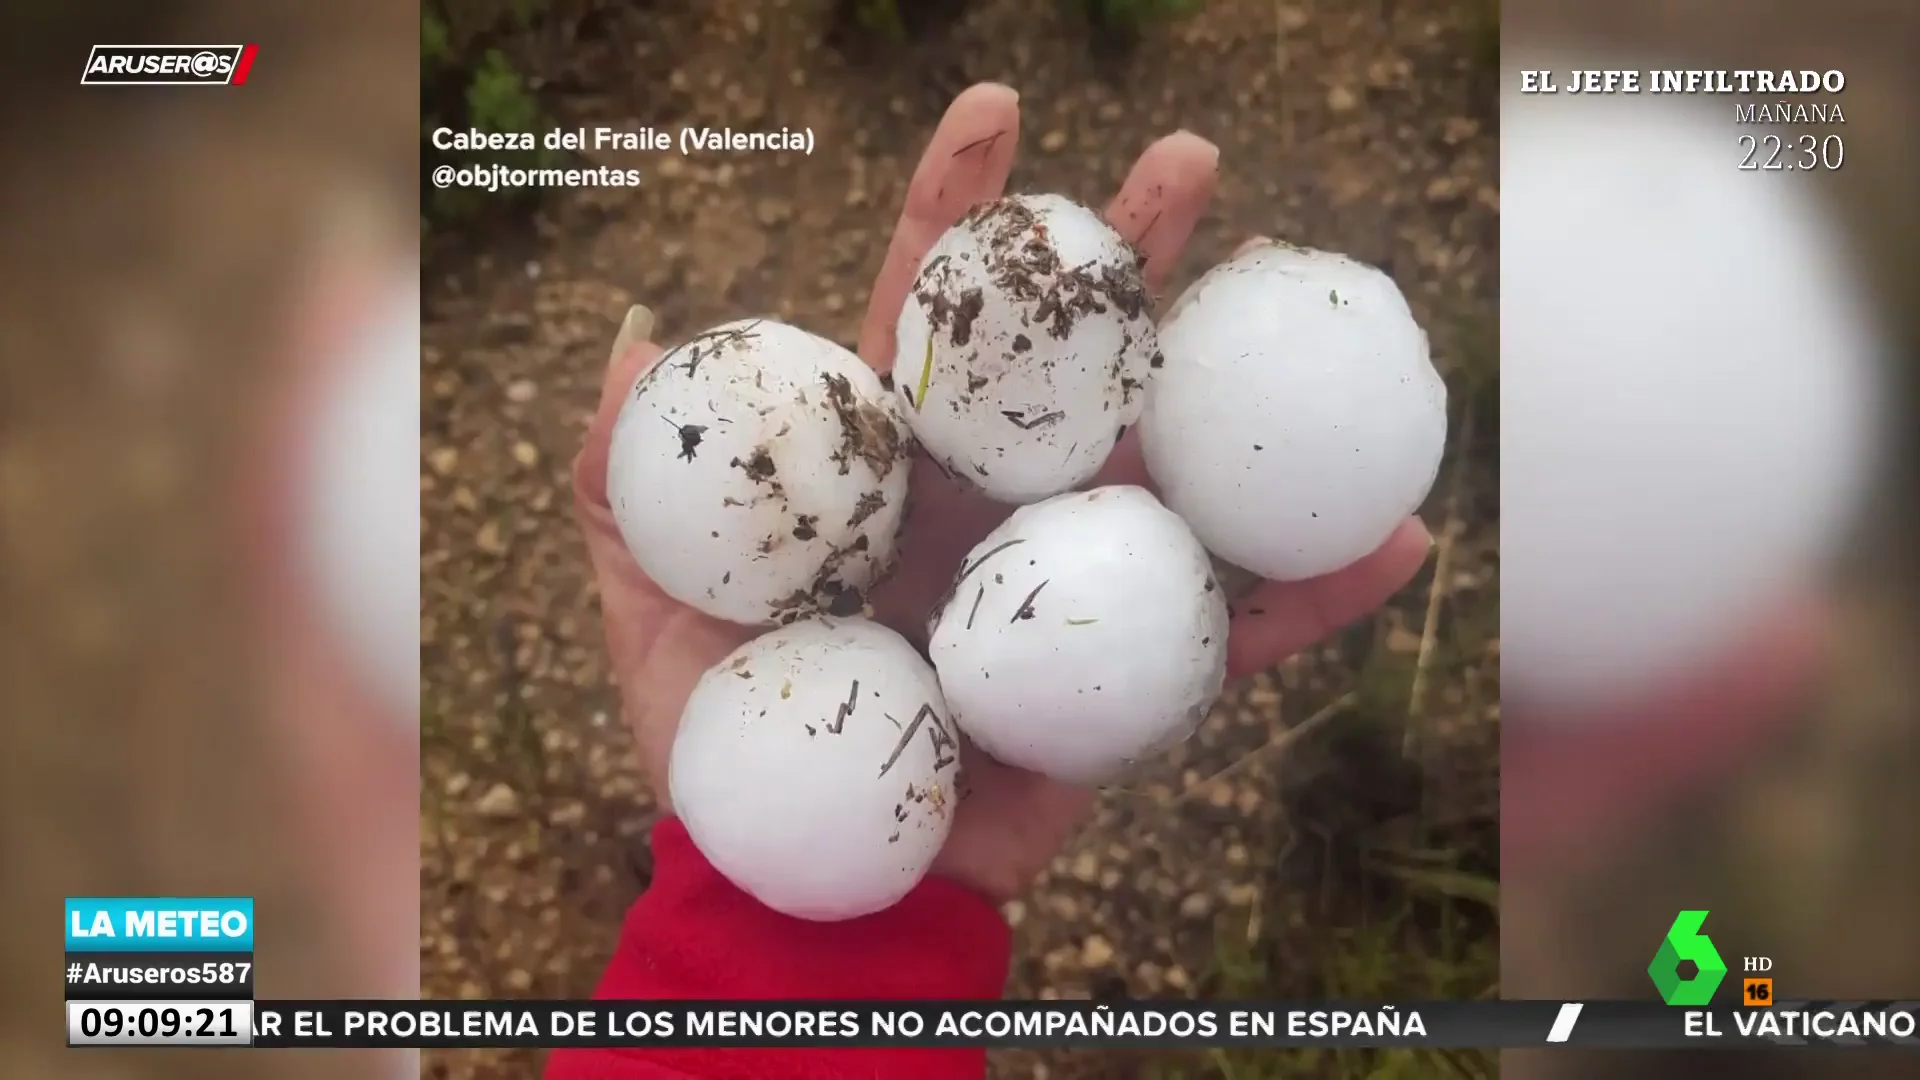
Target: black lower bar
1080, 1025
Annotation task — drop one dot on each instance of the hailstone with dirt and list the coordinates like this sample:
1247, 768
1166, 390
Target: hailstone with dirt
1298, 418
1084, 634
815, 767
758, 473
1024, 346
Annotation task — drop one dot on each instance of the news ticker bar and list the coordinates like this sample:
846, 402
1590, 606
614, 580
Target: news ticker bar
1165, 1025
119, 976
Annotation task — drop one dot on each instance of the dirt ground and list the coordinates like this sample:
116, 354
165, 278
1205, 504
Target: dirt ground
138, 762
1340, 127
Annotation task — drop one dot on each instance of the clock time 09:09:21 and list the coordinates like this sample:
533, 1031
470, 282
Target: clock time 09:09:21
159, 1023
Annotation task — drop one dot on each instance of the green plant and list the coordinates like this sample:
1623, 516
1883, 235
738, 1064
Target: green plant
1415, 942
436, 43
498, 99
468, 83
881, 17
1132, 16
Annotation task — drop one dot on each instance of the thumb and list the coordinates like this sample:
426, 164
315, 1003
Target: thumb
633, 355
636, 330
658, 648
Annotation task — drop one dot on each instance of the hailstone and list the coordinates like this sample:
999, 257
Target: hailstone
1692, 395
1024, 346
815, 768
1298, 419
1083, 634
758, 473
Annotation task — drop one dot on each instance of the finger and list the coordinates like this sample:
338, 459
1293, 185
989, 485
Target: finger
1163, 198
966, 163
658, 648
1156, 210
635, 330
1126, 464
1253, 243
1045, 803
632, 356
1008, 820
1281, 618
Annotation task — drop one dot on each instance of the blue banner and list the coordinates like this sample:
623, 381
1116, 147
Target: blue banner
159, 924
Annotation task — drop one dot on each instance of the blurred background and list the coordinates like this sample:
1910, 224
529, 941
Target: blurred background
193, 708
186, 272
1709, 619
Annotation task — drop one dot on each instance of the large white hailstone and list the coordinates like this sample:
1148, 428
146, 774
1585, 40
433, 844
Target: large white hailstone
1687, 390
758, 473
1025, 345
362, 500
1298, 419
1085, 633
815, 768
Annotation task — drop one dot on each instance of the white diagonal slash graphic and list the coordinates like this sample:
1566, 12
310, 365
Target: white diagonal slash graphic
1563, 1024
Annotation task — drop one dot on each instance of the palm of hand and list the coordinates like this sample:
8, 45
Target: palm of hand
1011, 821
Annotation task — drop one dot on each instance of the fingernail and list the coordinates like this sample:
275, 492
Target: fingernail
1213, 148
1252, 244
634, 329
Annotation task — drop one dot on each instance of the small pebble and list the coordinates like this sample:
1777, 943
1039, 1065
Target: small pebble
499, 801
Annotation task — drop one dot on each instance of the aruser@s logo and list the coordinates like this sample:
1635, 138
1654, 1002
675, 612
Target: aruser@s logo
169, 65
1685, 942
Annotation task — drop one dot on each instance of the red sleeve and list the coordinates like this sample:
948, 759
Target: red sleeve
692, 934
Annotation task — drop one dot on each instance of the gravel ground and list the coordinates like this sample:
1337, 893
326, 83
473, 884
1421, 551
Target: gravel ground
1339, 128
1363, 132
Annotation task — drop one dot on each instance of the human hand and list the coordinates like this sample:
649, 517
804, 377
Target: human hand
1010, 821
1579, 783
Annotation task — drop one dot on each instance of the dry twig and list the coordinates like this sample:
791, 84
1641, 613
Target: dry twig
1279, 742
1443, 544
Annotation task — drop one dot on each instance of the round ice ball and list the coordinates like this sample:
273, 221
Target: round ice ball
1025, 345
1298, 419
1085, 633
363, 499
1688, 414
758, 473
815, 768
